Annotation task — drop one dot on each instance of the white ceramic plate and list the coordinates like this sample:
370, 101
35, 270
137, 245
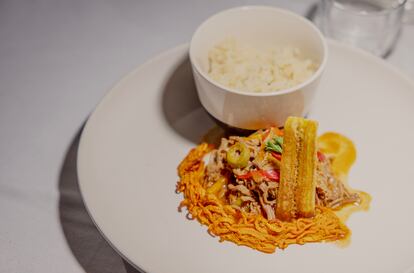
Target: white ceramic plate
144, 127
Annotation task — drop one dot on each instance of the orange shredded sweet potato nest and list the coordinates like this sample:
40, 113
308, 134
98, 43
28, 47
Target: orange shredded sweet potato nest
242, 228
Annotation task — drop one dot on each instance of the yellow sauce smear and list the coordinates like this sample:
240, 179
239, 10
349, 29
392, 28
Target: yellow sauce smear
346, 211
343, 152
254, 231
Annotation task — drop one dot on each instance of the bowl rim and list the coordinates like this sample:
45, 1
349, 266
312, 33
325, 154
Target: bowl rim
292, 89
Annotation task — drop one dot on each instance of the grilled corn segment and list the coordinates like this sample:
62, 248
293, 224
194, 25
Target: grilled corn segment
296, 195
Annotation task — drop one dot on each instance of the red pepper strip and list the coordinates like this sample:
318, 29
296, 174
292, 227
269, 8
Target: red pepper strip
246, 176
276, 155
270, 174
321, 156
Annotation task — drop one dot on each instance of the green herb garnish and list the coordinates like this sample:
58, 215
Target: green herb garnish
275, 144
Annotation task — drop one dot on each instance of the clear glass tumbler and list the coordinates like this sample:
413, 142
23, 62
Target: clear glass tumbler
409, 12
373, 25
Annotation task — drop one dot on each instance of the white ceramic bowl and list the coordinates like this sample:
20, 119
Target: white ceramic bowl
258, 26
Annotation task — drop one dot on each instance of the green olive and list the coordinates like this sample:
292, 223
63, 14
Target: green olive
238, 202
238, 155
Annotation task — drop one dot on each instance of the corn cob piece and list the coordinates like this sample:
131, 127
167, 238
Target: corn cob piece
296, 194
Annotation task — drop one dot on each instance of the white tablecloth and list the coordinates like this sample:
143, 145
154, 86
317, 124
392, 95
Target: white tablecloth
57, 60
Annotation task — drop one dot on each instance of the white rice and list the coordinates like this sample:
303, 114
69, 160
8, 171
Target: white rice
248, 69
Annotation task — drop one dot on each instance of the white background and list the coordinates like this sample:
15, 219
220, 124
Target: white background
57, 60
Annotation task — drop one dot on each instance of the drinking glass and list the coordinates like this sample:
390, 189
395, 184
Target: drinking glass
409, 12
373, 25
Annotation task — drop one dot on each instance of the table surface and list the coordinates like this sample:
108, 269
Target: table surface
58, 59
